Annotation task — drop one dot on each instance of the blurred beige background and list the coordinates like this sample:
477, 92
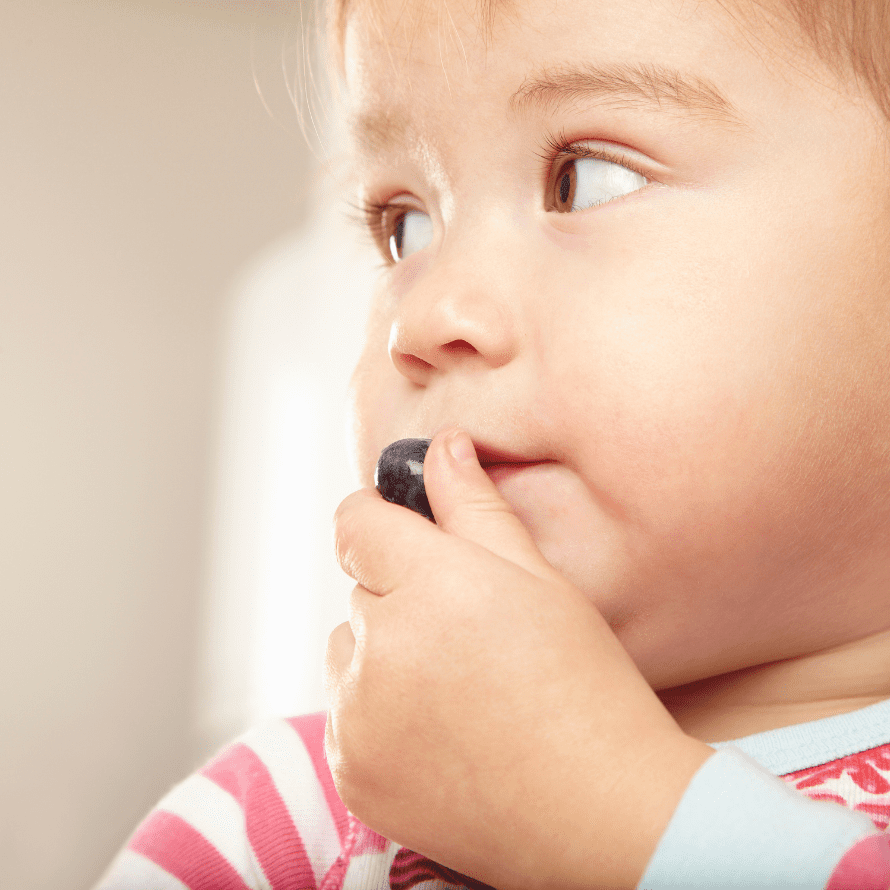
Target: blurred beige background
139, 172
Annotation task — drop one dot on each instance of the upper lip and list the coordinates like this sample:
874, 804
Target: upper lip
489, 456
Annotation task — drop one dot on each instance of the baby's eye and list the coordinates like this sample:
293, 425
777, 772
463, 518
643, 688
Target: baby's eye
580, 183
412, 231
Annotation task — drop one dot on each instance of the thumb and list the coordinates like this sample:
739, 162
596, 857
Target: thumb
467, 504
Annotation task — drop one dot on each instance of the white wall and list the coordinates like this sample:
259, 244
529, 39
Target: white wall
139, 172
274, 588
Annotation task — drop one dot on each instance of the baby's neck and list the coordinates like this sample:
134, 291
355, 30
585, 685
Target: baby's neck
796, 690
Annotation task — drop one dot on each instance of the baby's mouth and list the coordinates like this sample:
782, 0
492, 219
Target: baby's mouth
502, 472
501, 466
492, 457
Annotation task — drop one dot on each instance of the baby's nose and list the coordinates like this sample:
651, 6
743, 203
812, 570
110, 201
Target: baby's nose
440, 325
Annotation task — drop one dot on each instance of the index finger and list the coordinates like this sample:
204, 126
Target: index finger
378, 543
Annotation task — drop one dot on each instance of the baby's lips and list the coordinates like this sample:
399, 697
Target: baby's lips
399, 475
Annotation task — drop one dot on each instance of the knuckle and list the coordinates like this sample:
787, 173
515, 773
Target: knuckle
337, 664
343, 515
347, 532
341, 643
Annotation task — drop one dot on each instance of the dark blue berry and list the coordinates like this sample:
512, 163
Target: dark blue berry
399, 475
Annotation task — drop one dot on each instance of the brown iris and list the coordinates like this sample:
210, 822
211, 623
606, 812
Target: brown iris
563, 188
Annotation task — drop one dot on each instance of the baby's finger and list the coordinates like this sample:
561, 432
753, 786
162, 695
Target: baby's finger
337, 662
341, 646
381, 545
466, 503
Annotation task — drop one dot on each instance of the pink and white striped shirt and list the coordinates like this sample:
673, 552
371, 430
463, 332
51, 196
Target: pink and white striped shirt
264, 815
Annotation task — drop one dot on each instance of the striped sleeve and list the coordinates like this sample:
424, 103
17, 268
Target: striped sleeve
262, 815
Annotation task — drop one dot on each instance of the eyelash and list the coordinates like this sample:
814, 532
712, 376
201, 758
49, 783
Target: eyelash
558, 147
371, 215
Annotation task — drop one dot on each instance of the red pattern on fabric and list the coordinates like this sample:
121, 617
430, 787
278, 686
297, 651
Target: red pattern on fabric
859, 782
410, 869
270, 828
869, 772
185, 853
866, 769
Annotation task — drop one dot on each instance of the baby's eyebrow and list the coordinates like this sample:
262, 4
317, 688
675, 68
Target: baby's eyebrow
642, 87
635, 86
377, 130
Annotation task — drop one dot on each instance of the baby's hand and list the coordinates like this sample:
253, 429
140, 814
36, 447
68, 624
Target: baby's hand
482, 712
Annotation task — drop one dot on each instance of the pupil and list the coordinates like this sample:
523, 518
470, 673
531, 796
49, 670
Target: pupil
565, 184
400, 234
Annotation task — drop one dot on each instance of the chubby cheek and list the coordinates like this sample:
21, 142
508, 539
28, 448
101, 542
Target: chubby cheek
744, 489
721, 444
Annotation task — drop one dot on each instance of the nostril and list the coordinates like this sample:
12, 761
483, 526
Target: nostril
418, 369
458, 348
414, 362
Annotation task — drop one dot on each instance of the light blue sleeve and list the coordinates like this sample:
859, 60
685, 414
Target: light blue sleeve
739, 826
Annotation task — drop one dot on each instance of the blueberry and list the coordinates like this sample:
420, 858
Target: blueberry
399, 475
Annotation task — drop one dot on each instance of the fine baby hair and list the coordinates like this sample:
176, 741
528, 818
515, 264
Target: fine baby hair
852, 37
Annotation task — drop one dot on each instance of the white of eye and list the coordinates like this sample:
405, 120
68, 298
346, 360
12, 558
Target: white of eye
598, 181
414, 231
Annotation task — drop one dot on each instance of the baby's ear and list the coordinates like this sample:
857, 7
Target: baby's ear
466, 503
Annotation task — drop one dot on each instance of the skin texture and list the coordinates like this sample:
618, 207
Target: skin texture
696, 371
472, 678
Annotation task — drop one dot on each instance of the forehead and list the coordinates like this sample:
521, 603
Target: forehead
407, 62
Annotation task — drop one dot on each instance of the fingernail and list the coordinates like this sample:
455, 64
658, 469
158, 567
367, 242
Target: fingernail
460, 447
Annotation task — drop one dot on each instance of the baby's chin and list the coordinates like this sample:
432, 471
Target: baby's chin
573, 530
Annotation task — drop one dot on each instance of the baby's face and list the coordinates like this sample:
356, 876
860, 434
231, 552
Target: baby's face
662, 313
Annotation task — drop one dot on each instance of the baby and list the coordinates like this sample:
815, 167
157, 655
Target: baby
637, 291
